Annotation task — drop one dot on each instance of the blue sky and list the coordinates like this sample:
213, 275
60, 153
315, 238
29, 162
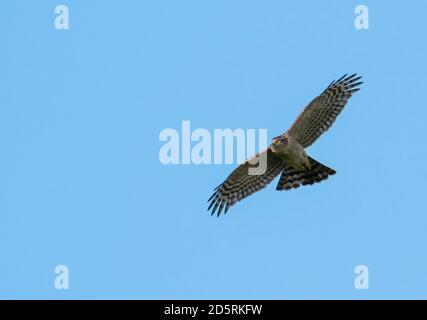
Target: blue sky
82, 184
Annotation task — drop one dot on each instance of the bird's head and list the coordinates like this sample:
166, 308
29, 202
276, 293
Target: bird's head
280, 140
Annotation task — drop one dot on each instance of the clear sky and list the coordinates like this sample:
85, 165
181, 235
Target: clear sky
81, 183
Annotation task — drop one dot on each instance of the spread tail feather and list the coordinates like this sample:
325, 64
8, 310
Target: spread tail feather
292, 178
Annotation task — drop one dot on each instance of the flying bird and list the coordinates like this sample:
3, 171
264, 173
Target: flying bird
286, 154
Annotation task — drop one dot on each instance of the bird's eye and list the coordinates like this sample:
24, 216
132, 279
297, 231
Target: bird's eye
278, 141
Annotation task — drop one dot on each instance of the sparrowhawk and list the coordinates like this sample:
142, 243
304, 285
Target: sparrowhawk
286, 154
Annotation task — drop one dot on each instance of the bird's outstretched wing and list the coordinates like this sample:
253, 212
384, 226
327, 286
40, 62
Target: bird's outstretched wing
321, 113
245, 180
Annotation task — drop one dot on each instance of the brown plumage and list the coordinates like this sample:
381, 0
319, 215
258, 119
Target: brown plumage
292, 178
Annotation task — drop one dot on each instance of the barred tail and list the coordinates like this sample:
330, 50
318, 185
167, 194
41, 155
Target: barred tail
292, 178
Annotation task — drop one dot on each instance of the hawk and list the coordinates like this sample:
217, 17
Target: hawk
286, 155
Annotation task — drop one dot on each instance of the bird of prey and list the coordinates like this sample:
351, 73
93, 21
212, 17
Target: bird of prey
286, 155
